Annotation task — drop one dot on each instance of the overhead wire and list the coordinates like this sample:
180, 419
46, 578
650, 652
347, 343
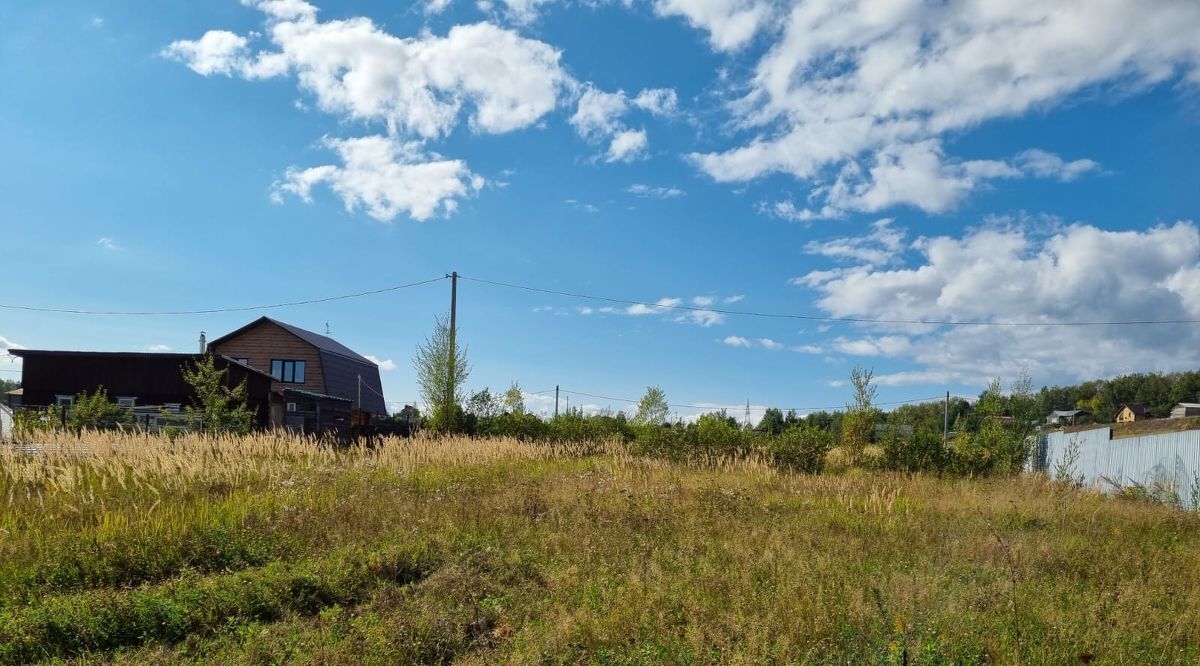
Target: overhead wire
822, 318
155, 313
718, 406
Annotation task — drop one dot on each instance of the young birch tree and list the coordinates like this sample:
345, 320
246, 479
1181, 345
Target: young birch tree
442, 371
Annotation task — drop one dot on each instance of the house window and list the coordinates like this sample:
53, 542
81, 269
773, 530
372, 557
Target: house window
243, 361
291, 406
172, 407
126, 401
64, 401
289, 372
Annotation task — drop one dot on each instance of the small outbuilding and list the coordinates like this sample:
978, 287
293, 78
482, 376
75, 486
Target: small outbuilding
1065, 417
1131, 412
1183, 410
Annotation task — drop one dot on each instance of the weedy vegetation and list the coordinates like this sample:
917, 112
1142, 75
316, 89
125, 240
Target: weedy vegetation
257, 549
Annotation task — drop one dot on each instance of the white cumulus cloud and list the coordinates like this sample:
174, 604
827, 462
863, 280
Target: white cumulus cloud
855, 97
383, 363
1015, 273
387, 178
627, 146
730, 23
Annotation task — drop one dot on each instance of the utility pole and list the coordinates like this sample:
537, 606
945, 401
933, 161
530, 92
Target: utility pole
946, 423
453, 347
556, 401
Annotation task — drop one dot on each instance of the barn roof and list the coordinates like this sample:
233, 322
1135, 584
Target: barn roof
321, 342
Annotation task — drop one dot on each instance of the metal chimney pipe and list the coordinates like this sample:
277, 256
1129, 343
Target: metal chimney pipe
203, 343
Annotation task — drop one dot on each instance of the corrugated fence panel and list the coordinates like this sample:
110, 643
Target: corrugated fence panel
1164, 461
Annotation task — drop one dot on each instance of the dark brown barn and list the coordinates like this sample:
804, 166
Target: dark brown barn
132, 379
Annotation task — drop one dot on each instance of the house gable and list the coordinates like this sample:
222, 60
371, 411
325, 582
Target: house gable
263, 341
330, 367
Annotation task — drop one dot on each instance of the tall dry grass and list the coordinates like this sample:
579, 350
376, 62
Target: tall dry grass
120, 547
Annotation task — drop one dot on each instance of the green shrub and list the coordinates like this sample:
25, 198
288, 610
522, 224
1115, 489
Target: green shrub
667, 442
920, 452
857, 427
514, 424
800, 449
97, 412
715, 438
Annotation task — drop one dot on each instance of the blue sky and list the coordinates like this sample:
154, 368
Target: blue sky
979, 161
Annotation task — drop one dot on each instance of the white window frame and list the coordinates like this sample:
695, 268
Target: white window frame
68, 400
291, 407
173, 407
129, 401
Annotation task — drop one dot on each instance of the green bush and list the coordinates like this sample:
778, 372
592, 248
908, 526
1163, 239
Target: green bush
857, 427
514, 424
800, 449
714, 438
920, 452
97, 412
667, 442
574, 427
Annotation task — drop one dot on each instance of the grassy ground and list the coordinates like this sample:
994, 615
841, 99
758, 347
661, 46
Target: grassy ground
1142, 427
262, 550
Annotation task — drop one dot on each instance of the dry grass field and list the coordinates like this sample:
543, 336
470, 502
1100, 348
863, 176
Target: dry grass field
258, 550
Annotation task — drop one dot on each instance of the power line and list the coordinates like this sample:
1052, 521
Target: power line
798, 409
272, 306
810, 317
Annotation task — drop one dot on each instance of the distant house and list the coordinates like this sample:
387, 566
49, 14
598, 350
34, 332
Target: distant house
1131, 412
1185, 409
1063, 417
309, 366
146, 383
295, 379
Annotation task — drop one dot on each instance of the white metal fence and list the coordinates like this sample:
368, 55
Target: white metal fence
6, 422
1164, 463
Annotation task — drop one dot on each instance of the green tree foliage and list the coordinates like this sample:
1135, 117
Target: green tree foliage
217, 408
772, 422
859, 423
442, 370
514, 399
800, 449
483, 405
576, 427
715, 436
1000, 445
653, 408
514, 424
97, 412
7, 385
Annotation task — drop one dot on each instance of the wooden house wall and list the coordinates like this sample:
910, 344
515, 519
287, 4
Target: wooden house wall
261, 344
152, 379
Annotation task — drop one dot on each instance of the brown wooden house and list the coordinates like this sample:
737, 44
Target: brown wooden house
313, 367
